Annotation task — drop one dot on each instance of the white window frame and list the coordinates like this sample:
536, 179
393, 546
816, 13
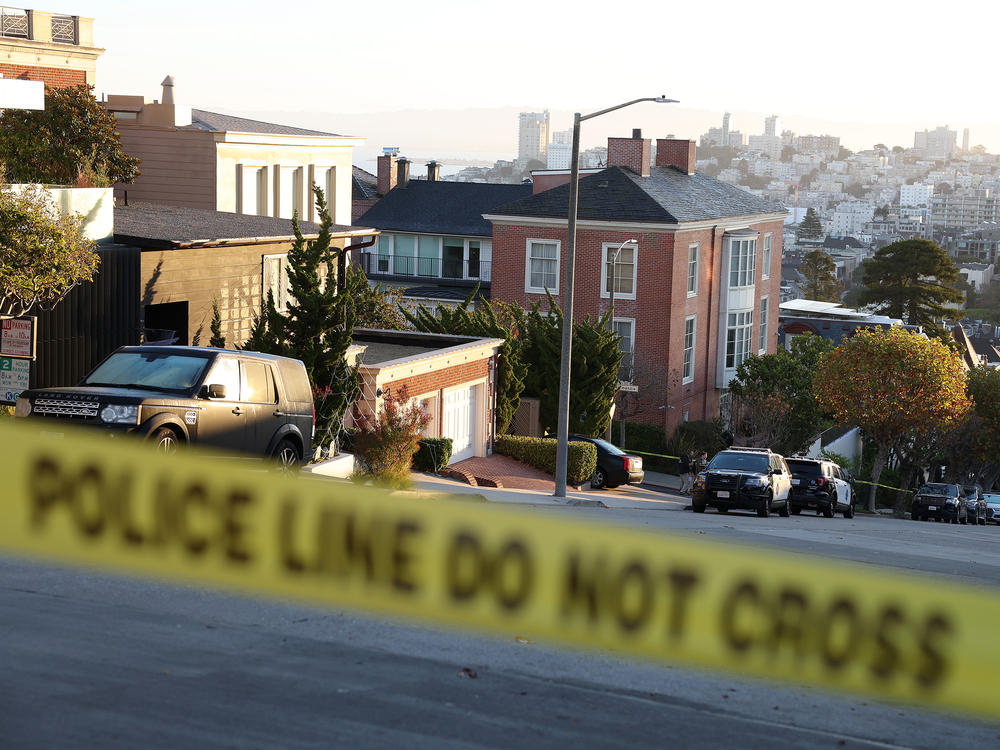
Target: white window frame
631, 342
765, 267
687, 366
742, 252
692, 268
739, 335
765, 311
282, 295
528, 288
604, 269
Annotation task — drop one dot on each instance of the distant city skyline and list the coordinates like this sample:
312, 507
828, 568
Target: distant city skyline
351, 64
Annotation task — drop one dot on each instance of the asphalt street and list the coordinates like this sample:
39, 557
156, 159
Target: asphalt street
94, 661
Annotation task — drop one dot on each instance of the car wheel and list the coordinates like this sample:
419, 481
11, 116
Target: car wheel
698, 508
849, 511
165, 440
287, 455
796, 511
599, 479
982, 521
784, 511
765, 506
828, 510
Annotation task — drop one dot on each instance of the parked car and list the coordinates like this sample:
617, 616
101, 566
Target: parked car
749, 478
975, 504
821, 485
992, 506
942, 502
232, 400
614, 466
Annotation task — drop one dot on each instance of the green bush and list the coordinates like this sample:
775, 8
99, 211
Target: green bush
432, 455
640, 437
581, 460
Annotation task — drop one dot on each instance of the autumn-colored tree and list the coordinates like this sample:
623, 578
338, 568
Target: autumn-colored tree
896, 385
385, 443
43, 253
819, 277
74, 139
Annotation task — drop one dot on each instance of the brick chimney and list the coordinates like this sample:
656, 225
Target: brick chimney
386, 173
677, 153
633, 153
433, 171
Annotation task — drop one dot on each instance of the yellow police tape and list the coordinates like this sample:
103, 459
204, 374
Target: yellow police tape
188, 518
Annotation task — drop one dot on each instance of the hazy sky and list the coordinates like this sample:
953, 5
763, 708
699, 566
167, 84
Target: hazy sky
866, 71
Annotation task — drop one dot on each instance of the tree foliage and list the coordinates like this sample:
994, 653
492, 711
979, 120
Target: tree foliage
897, 385
217, 338
819, 277
73, 138
375, 306
810, 227
490, 319
43, 253
773, 401
385, 443
911, 280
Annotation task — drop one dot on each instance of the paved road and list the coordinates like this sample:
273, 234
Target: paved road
90, 661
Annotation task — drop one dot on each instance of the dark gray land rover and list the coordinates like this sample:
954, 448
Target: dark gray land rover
218, 398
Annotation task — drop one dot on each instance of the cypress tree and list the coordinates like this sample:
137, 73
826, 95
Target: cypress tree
217, 339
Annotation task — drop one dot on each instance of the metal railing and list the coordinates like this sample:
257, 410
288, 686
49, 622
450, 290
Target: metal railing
396, 266
64, 29
14, 23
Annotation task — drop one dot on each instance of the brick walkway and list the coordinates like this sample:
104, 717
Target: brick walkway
504, 471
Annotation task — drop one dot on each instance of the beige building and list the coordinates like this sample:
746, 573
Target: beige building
193, 157
40, 45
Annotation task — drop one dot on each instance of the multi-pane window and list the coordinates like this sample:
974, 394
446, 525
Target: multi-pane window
625, 329
542, 266
762, 344
693, 249
738, 335
622, 276
742, 259
765, 271
687, 374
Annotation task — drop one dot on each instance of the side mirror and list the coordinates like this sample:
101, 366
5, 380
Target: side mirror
214, 390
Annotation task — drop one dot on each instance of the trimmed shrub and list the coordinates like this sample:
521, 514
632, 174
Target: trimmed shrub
640, 437
432, 455
581, 459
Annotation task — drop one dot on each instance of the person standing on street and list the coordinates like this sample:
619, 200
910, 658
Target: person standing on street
687, 479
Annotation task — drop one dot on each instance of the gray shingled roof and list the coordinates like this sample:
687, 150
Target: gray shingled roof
435, 207
203, 120
364, 185
151, 225
667, 196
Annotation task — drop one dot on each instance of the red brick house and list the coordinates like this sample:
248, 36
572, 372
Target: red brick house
695, 294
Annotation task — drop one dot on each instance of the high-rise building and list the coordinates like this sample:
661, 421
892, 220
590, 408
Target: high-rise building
725, 129
772, 126
965, 141
939, 143
533, 136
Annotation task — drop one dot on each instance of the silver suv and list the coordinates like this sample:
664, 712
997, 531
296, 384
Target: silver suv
238, 401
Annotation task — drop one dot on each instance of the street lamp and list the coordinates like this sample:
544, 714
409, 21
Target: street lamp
562, 433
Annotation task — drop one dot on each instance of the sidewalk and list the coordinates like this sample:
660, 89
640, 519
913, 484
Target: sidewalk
662, 481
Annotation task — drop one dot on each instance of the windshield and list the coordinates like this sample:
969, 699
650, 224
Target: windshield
739, 461
939, 489
804, 468
168, 372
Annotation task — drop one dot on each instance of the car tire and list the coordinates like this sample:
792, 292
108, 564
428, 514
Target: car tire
165, 440
287, 455
599, 478
765, 506
785, 511
828, 511
796, 511
849, 511
982, 521
698, 508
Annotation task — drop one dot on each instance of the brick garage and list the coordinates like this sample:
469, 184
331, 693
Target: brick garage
451, 376
666, 208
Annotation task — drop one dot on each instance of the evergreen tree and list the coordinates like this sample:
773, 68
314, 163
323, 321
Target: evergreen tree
911, 280
376, 306
265, 330
819, 277
810, 227
490, 319
217, 339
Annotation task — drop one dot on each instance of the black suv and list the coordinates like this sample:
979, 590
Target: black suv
942, 502
751, 478
821, 485
217, 398
975, 504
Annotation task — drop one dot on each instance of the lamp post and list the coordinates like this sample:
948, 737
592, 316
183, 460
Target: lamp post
562, 434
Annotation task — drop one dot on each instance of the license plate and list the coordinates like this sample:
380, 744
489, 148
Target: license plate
722, 493
931, 507
795, 481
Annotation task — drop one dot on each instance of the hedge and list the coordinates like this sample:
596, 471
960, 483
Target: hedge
432, 455
581, 459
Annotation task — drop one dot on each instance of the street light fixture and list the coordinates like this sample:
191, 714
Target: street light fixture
562, 433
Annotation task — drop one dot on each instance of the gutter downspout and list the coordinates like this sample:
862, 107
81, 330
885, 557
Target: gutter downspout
342, 260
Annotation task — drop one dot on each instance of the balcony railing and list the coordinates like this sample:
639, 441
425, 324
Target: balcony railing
18, 23
403, 267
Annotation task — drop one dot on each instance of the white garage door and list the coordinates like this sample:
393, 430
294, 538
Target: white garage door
460, 422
